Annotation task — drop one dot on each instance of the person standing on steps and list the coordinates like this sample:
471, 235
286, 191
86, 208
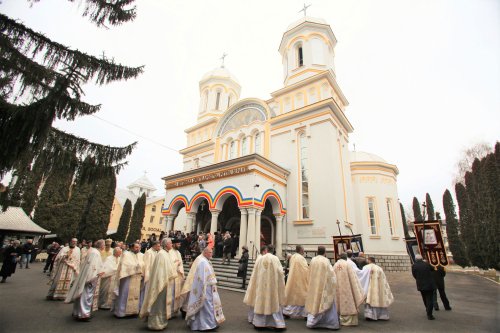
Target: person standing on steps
243, 266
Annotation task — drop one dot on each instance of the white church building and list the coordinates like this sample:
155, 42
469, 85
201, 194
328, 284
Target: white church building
279, 170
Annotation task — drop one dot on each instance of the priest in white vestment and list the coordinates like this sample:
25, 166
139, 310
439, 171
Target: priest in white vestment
321, 294
188, 283
67, 266
204, 307
176, 292
157, 305
378, 293
349, 294
149, 258
296, 285
129, 275
108, 279
266, 292
84, 292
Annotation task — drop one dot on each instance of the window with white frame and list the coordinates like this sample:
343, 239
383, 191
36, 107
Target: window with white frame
228, 101
151, 219
389, 214
205, 101
232, 149
244, 148
258, 143
153, 209
371, 216
304, 178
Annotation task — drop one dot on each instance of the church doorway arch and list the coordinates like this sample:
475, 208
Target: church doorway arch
203, 217
230, 216
268, 225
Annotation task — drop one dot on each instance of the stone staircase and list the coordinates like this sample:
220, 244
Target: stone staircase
227, 274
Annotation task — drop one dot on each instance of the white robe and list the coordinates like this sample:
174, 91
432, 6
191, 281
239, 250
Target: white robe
204, 308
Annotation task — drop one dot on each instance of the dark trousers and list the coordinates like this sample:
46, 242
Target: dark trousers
427, 297
48, 262
444, 299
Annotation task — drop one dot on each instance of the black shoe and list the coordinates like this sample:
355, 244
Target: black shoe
448, 308
431, 317
3, 281
436, 308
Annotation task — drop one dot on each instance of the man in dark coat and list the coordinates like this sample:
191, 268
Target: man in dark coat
439, 273
27, 251
422, 272
52, 252
10, 257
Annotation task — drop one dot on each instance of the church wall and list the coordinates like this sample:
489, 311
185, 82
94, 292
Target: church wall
380, 186
116, 213
154, 221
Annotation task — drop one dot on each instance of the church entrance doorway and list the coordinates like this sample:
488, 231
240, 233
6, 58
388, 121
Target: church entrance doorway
267, 225
230, 217
203, 217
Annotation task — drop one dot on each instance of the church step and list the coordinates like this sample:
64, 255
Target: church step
231, 288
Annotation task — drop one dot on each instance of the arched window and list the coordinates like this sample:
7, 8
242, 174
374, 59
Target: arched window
217, 101
232, 149
228, 101
300, 56
244, 148
304, 179
258, 143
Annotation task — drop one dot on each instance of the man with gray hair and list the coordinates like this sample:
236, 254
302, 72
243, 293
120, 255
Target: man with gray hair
108, 279
67, 265
422, 272
85, 288
157, 305
204, 308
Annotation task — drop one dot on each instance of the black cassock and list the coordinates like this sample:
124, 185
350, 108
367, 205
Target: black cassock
9, 261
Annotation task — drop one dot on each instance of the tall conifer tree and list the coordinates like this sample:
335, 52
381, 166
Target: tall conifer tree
416, 210
124, 224
47, 77
430, 207
452, 230
134, 232
403, 218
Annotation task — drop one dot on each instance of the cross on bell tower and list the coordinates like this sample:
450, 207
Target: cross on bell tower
305, 9
224, 55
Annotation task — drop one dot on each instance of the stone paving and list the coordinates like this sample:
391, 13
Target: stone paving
475, 302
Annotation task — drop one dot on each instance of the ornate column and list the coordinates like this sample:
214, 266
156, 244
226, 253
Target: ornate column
243, 230
170, 222
189, 222
279, 235
258, 213
213, 223
251, 232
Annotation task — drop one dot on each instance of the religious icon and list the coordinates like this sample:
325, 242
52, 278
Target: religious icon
430, 237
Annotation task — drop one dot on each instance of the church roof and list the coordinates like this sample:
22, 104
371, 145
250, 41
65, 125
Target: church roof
154, 199
306, 19
122, 195
219, 72
15, 219
142, 182
361, 156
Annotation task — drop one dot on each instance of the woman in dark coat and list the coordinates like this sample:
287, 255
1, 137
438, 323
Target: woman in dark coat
242, 268
11, 254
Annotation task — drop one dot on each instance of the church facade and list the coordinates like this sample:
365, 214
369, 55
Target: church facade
279, 170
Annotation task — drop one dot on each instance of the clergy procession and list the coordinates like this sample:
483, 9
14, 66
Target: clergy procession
154, 287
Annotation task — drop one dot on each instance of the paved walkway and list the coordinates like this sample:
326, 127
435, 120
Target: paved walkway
475, 303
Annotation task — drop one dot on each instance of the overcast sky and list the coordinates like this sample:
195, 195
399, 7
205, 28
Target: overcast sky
422, 77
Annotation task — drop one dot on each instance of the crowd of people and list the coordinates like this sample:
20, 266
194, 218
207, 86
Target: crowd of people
147, 279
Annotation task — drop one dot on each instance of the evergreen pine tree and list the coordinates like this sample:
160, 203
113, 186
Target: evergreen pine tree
416, 210
54, 196
473, 187
403, 218
124, 224
489, 207
47, 77
466, 221
430, 208
96, 219
454, 240
134, 232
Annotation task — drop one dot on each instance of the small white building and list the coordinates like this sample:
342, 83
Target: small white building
279, 170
